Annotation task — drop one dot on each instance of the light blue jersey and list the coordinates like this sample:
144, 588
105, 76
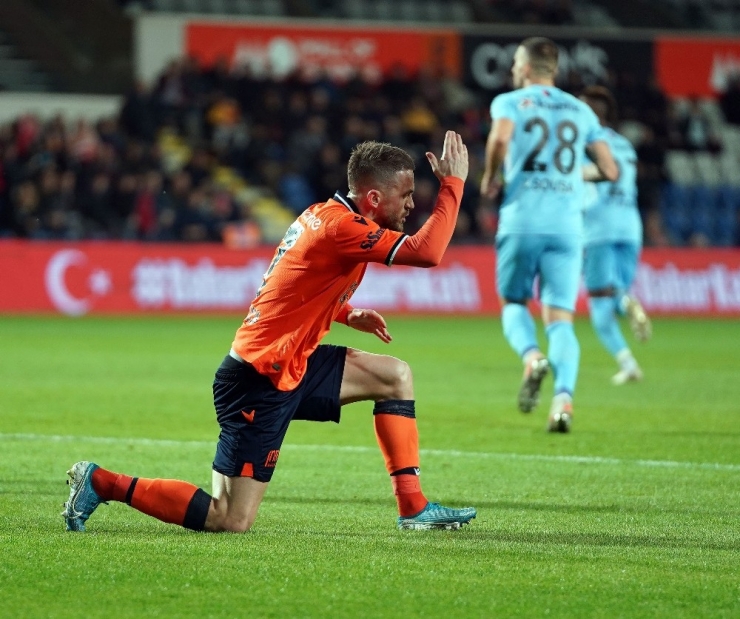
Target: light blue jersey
543, 177
610, 210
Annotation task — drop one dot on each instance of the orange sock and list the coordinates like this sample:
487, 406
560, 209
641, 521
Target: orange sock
169, 500
111, 486
398, 437
409, 496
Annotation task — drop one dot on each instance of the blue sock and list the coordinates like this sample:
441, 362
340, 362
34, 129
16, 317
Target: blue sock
604, 321
564, 354
619, 299
519, 329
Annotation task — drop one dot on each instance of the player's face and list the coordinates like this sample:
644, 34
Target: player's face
519, 68
395, 201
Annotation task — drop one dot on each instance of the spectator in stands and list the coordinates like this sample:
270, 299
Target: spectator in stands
277, 135
137, 118
26, 215
650, 177
328, 172
149, 203
419, 122
729, 101
695, 129
96, 204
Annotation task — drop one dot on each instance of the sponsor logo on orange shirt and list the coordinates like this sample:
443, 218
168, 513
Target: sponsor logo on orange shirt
372, 239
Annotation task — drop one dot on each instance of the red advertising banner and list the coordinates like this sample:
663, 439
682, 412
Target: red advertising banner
281, 50
695, 67
128, 277
119, 278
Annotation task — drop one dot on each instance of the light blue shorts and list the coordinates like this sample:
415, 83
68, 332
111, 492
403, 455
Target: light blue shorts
556, 259
610, 265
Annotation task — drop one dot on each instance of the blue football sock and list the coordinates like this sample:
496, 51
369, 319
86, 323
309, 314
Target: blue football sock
620, 299
564, 354
519, 329
604, 321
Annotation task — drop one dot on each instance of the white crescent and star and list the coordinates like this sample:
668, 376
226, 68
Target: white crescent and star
99, 282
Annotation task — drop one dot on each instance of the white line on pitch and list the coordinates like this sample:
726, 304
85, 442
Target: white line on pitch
449, 453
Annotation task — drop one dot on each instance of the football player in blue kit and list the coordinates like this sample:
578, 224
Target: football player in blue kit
540, 135
613, 239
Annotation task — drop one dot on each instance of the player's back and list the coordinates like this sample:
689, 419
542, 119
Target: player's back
543, 189
611, 212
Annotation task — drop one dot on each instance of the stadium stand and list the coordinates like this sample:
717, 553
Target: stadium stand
221, 155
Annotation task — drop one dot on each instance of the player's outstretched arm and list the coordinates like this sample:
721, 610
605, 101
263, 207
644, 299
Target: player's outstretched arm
428, 245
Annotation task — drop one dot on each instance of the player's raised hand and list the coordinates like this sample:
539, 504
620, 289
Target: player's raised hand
454, 160
369, 321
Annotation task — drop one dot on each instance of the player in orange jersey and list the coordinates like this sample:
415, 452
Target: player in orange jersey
277, 371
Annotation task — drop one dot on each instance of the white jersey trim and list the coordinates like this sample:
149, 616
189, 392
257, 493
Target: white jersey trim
394, 250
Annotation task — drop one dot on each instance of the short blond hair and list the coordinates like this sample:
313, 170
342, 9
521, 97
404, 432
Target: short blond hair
376, 163
542, 55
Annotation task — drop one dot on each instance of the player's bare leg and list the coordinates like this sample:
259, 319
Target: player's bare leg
235, 503
389, 382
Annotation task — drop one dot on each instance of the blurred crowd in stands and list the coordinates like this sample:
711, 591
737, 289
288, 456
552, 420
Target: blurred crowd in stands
220, 155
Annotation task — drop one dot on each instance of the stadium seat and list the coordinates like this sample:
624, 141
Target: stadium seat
192, 6
727, 210
273, 8
675, 210
729, 168
435, 11
384, 10
708, 169
460, 12
681, 167
245, 7
408, 11
220, 7
633, 130
356, 9
703, 202
711, 110
731, 139
167, 6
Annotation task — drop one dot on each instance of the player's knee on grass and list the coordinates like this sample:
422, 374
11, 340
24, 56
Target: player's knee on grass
225, 523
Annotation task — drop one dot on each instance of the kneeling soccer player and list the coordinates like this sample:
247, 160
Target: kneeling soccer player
276, 370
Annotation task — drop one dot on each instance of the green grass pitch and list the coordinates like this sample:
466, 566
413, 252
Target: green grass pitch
634, 514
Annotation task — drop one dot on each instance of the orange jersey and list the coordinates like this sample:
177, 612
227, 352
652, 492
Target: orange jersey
316, 269
314, 272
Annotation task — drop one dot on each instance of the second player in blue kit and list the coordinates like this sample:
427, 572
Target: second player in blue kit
613, 241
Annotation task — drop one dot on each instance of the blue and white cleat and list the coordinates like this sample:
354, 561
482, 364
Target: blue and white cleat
639, 321
529, 393
435, 516
83, 500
